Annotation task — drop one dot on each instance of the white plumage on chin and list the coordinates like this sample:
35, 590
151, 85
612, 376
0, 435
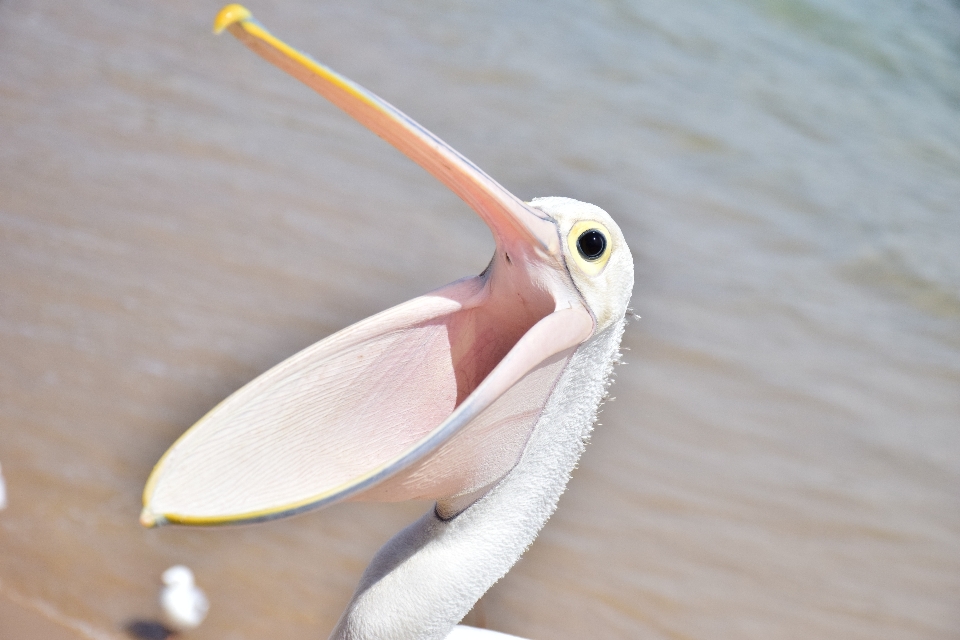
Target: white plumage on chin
184, 603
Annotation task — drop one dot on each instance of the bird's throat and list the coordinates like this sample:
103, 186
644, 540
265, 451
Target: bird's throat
428, 576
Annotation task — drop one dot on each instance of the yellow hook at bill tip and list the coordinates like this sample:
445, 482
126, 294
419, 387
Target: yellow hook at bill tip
229, 15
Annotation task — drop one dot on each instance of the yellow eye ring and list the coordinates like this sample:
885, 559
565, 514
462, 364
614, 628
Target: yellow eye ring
589, 244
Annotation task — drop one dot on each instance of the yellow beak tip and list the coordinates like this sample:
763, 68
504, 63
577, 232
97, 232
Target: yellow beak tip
149, 519
230, 14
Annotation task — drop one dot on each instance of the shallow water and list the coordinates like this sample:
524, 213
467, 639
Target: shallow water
781, 457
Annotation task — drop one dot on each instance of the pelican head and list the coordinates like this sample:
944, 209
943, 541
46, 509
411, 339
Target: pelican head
595, 254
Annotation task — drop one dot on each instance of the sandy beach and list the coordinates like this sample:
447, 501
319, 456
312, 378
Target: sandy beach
20, 622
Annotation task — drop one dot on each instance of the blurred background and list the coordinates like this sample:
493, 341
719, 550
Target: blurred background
782, 456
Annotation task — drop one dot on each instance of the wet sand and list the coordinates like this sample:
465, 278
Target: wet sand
20, 622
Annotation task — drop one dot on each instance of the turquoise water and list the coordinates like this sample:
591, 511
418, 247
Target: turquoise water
780, 459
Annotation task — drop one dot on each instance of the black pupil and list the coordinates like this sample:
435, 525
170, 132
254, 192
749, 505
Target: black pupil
591, 244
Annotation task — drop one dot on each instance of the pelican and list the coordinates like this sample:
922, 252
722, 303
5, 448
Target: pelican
184, 604
478, 396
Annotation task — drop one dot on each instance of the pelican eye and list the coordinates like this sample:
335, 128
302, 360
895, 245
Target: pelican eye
591, 244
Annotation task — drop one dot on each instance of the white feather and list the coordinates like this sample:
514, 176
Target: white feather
461, 632
3, 492
184, 604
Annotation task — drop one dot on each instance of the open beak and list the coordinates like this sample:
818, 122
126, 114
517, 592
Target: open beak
432, 399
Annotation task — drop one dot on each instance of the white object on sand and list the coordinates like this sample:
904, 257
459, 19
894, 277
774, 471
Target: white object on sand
184, 604
3, 492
